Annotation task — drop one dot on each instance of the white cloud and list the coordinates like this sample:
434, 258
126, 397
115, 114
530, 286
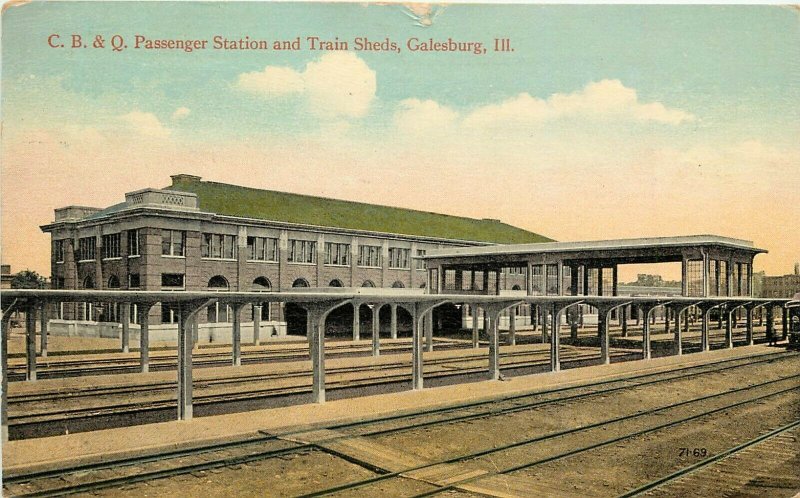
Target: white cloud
272, 81
608, 99
339, 84
181, 112
414, 116
145, 123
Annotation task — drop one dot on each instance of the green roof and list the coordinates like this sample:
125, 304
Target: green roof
233, 200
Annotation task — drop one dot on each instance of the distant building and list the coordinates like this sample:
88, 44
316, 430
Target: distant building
5, 276
782, 286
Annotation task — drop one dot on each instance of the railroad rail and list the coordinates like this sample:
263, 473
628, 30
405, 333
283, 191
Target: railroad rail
254, 450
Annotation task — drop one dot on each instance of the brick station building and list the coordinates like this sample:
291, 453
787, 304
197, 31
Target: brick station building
202, 235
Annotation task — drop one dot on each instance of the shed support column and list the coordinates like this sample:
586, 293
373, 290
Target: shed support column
476, 311
486, 322
125, 317
543, 310
236, 338
728, 328
356, 322
144, 337
748, 330
393, 330
429, 331
195, 333
30, 342
185, 365
43, 328
602, 326
770, 322
376, 330
416, 350
573, 323
704, 345
512, 326
666, 320
678, 346
623, 318
256, 325
6, 318
555, 359
494, 343
315, 328
646, 352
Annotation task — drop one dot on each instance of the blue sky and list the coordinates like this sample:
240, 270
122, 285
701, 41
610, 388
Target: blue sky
614, 116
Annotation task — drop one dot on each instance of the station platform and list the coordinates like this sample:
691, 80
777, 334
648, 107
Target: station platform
88, 447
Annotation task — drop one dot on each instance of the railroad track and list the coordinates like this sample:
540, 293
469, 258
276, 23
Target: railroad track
58, 368
54, 422
106, 474
760, 456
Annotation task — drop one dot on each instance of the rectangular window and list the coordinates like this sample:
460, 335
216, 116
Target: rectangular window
694, 276
608, 281
133, 243
218, 246
111, 245
723, 278
172, 281
58, 251
736, 279
399, 258
262, 249
337, 254
173, 242
134, 281
449, 282
421, 262
746, 279
57, 283
537, 280
86, 248
552, 280
302, 251
713, 278
369, 256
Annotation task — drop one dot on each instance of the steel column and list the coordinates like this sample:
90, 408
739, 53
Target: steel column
416, 349
185, 341
144, 336
5, 321
749, 325
623, 318
555, 340
257, 325
393, 330
678, 339
545, 337
785, 323
429, 331
356, 321
602, 326
728, 328
512, 326
494, 343
30, 342
376, 330
704, 344
476, 311
43, 328
125, 318
315, 327
236, 334
646, 351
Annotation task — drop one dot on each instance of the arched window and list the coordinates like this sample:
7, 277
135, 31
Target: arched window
422, 286
218, 312
113, 282
218, 282
88, 282
336, 283
300, 282
398, 285
262, 284
516, 287
368, 283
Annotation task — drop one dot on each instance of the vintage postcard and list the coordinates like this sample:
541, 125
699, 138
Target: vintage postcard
385, 249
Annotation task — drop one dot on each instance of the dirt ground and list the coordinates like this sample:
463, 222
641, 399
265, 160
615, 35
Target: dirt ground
605, 471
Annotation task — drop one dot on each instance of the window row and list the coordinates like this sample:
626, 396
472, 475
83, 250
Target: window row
111, 246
